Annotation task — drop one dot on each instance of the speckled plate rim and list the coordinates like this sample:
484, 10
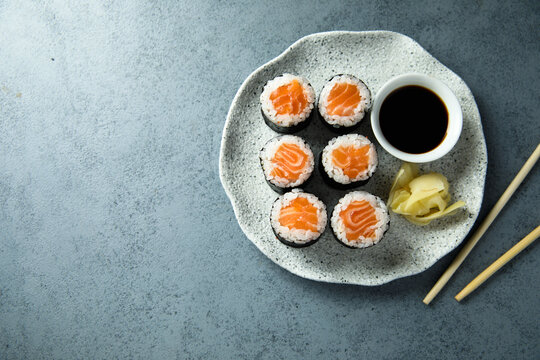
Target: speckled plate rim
242, 88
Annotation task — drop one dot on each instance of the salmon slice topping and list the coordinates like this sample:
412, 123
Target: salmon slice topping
289, 99
299, 214
351, 159
359, 220
343, 99
289, 162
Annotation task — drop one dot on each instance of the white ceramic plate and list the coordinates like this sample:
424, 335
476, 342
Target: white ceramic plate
406, 249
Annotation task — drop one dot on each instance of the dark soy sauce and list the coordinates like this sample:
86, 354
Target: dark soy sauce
413, 119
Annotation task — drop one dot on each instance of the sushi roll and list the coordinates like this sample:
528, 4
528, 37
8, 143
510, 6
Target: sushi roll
287, 103
359, 219
287, 162
343, 103
348, 161
298, 219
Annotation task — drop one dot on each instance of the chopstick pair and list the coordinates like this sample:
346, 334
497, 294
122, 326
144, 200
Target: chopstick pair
482, 229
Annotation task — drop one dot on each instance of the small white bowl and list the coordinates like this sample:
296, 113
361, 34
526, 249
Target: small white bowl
455, 117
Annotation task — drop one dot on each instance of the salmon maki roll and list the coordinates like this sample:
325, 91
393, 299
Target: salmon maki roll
360, 219
298, 219
287, 162
348, 161
343, 103
287, 103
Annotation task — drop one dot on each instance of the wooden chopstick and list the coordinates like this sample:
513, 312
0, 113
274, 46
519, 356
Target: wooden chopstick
484, 226
499, 263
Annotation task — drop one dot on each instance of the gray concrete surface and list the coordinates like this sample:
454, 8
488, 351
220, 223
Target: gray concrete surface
117, 240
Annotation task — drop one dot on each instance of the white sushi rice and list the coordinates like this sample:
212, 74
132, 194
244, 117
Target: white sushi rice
298, 236
267, 155
381, 213
335, 172
268, 107
363, 106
